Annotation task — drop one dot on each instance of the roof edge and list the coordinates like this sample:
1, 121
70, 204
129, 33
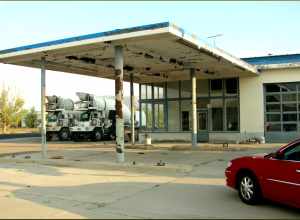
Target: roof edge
86, 37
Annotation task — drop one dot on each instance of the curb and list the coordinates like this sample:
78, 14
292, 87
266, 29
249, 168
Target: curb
98, 165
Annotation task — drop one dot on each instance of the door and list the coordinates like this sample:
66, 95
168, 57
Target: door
282, 181
202, 133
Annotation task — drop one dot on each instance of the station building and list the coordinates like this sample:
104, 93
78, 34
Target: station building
266, 106
188, 90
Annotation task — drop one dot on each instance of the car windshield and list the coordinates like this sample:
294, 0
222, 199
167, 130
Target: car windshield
52, 117
85, 116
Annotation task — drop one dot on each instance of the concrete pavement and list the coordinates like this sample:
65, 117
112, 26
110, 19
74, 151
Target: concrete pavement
33, 190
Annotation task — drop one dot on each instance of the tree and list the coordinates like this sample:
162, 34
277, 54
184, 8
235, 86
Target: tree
11, 109
31, 118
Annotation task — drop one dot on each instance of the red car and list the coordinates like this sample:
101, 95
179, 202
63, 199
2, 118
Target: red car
275, 176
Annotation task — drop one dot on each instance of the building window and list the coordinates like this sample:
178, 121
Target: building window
231, 86
273, 98
272, 88
173, 116
290, 127
173, 89
288, 87
216, 87
186, 115
232, 114
143, 91
202, 88
273, 127
216, 114
158, 90
273, 107
185, 122
159, 116
273, 117
186, 89
219, 96
149, 116
146, 91
143, 115
149, 91
282, 107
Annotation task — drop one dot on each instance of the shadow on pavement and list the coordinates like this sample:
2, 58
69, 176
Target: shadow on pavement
150, 200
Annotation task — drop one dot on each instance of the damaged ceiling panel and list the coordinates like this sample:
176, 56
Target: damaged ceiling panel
154, 53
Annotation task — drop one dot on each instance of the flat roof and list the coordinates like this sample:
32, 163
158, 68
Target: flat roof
275, 61
154, 53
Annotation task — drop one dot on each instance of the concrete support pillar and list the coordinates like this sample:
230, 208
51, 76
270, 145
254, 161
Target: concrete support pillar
119, 103
132, 109
194, 108
43, 108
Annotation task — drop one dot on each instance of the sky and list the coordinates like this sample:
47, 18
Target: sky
247, 29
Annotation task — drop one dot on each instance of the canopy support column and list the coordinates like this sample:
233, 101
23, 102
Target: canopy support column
43, 108
132, 109
194, 108
119, 103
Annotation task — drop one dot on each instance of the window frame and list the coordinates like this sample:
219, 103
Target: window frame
222, 95
283, 104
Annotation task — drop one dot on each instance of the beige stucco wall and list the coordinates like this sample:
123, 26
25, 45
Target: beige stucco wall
167, 136
252, 97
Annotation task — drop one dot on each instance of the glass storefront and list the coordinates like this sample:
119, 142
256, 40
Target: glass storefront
167, 106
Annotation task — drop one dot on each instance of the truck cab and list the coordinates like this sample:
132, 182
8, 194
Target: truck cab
89, 125
58, 122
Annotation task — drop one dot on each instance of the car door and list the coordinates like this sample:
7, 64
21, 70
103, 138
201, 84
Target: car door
282, 176
291, 163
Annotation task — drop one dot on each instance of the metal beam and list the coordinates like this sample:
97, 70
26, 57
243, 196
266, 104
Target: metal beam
119, 103
43, 107
132, 109
194, 108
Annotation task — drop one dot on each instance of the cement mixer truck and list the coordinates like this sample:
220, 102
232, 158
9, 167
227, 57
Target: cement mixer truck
96, 119
60, 116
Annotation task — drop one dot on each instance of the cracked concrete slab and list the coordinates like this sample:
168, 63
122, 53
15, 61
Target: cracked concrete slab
34, 190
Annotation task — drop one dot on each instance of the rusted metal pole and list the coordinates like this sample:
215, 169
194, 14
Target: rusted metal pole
194, 108
132, 109
119, 103
43, 107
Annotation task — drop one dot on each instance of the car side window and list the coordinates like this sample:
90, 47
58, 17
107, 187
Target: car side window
293, 153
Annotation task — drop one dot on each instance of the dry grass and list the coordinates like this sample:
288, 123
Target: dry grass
20, 130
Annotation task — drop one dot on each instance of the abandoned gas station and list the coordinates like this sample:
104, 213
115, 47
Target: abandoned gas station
189, 91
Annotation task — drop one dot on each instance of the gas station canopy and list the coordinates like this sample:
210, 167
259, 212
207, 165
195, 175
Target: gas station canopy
153, 53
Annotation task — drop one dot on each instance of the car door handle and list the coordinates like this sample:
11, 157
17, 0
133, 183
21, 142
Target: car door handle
297, 171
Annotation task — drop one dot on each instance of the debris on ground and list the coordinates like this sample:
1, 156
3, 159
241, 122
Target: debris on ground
27, 157
57, 157
141, 153
160, 163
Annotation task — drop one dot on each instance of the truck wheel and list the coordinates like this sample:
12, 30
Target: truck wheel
74, 137
48, 137
64, 134
97, 136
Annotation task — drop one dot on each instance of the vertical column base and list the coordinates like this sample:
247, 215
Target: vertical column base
194, 140
120, 140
